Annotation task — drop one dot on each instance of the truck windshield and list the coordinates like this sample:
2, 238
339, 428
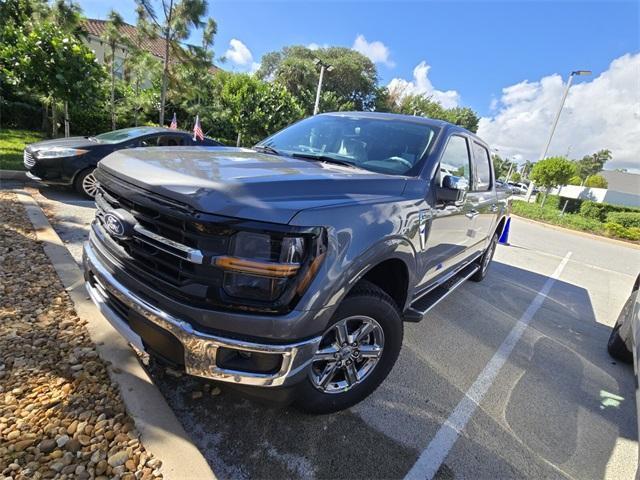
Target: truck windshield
392, 146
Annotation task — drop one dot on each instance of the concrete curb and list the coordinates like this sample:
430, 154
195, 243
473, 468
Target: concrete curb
160, 431
13, 175
593, 236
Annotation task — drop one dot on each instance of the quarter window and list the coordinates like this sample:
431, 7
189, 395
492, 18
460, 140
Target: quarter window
483, 167
455, 159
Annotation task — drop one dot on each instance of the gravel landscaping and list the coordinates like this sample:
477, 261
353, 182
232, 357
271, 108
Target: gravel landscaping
60, 414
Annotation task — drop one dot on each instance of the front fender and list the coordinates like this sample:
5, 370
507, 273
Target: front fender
360, 236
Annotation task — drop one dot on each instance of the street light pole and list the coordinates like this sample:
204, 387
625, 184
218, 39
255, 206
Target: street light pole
555, 121
323, 66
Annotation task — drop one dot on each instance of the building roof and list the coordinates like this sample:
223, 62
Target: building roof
155, 46
622, 181
96, 28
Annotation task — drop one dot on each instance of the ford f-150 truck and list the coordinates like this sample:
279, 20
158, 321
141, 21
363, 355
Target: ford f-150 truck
288, 269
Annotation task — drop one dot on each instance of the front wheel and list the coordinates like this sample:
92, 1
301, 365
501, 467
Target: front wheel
86, 183
356, 353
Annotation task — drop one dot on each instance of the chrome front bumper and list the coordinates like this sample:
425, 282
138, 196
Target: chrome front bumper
200, 348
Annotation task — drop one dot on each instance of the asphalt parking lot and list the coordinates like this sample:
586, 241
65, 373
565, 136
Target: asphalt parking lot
508, 378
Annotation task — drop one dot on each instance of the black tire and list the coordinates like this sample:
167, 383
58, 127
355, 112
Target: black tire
82, 184
485, 260
366, 299
617, 347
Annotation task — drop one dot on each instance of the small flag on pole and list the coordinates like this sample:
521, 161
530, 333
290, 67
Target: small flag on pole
197, 130
174, 122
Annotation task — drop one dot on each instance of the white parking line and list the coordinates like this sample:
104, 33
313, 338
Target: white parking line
436, 452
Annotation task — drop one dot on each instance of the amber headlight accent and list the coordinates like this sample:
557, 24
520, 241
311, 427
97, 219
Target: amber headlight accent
266, 267
254, 267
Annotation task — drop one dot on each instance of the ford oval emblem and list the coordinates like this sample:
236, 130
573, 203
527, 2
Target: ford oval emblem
114, 225
119, 223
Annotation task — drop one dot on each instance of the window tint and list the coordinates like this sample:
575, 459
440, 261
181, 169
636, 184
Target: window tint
455, 159
483, 167
390, 146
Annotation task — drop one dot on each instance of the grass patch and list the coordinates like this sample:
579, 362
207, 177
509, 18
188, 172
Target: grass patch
574, 221
12, 143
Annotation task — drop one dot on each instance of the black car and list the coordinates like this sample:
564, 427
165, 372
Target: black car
71, 161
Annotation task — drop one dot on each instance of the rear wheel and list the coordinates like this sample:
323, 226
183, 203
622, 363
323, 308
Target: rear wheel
86, 183
356, 353
485, 260
617, 346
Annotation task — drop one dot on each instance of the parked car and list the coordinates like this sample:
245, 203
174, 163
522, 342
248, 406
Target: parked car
624, 341
517, 188
71, 161
291, 267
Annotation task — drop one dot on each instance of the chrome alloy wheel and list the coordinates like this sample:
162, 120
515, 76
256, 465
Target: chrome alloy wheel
348, 352
90, 185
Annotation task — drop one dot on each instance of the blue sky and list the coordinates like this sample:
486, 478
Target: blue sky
474, 49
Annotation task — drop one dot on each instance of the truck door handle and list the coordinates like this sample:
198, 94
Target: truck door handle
471, 213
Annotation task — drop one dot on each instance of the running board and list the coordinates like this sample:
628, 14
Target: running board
418, 309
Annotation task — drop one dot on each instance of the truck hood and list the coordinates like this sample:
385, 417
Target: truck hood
246, 184
71, 142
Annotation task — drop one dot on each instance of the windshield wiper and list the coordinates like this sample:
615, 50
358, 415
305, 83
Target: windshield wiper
266, 149
324, 158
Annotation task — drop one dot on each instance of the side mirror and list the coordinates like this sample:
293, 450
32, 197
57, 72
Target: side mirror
453, 189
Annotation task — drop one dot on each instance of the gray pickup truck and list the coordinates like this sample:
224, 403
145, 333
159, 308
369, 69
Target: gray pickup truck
288, 269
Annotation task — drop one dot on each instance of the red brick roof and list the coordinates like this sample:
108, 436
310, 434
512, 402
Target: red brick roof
155, 46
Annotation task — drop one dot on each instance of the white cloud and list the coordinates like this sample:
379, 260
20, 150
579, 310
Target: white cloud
376, 51
421, 85
601, 113
238, 53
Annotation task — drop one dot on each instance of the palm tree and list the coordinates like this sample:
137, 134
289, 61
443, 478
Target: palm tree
179, 17
113, 37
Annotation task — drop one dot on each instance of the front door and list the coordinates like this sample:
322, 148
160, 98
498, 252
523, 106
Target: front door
450, 235
482, 197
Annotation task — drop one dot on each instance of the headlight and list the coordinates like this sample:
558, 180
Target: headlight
58, 152
264, 266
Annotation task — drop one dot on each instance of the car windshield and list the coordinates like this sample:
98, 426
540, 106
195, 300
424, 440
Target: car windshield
118, 136
386, 145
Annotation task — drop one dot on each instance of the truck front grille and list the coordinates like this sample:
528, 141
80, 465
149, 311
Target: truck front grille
154, 261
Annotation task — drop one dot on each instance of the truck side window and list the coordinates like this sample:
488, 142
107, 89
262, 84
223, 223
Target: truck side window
455, 159
482, 162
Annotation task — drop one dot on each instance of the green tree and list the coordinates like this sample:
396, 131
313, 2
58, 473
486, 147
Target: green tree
596, 181
112, 37
425, 106
255, 108
552, 172
178, 18
575, 180
516, 177
502, 167
351, 84
592, 164
53, 62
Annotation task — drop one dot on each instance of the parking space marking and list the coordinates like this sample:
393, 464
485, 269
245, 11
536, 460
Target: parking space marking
436, 452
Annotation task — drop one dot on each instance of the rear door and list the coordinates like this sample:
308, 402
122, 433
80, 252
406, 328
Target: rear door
482, 196
449, 239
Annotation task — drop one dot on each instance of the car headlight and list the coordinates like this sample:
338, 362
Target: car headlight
265, 266
59, 152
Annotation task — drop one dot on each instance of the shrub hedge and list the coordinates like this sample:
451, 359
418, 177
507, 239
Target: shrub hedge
626, 219
616, 230
599, 211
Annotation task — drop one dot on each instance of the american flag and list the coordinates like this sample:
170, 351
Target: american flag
197, 130
174, 122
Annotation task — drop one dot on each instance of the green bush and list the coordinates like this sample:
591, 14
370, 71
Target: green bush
20, 115
626, 219
599, 211
616, 230
552, 200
